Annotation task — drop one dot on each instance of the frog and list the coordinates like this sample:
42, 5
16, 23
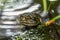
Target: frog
29, 19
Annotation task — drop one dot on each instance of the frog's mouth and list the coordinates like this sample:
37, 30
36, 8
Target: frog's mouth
29, 23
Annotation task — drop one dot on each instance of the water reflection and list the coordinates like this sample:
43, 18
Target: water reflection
58, 9
9, 15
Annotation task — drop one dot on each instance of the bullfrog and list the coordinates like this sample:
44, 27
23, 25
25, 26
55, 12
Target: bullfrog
29, 19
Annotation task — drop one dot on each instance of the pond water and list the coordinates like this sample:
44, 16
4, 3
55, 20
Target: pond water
10, 14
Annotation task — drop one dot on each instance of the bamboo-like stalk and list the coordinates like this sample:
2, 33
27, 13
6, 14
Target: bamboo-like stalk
49, 6
57, 17
51, 3
52, 20
45, 5
47, 9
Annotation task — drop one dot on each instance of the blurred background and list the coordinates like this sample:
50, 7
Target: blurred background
10, 29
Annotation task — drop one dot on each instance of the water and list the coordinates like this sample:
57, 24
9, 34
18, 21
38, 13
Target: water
21, 4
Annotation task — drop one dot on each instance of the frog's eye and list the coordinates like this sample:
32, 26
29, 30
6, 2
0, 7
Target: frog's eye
27, 17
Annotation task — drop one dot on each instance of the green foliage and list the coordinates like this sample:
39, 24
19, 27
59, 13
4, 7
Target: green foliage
19, 38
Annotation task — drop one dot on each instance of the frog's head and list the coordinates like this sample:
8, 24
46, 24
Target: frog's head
29, 19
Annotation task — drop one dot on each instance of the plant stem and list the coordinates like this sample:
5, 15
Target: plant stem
45, 5
49, 6
52, 20
57, 17
51, 3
